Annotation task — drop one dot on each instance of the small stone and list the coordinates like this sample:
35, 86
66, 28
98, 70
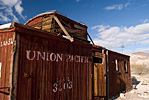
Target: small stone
132, 91
122, 95
139, 94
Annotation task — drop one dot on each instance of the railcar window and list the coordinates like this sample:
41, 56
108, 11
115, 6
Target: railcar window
117, 65
125, 66
97, 60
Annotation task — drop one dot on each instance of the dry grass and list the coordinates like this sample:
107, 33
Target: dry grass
140, 69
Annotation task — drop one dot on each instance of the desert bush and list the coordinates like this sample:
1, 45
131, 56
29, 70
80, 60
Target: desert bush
140, 69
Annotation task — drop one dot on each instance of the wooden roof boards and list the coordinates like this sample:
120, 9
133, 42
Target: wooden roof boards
57, 23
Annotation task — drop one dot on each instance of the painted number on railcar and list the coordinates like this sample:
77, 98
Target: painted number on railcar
62, 84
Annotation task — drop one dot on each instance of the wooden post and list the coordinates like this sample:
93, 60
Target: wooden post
62, 27
107, 75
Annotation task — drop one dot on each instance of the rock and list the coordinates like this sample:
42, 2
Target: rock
122, 95
139, 94
132, 91
145, 95
144, 83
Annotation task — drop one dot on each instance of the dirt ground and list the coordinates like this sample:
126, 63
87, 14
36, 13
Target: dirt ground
140, 90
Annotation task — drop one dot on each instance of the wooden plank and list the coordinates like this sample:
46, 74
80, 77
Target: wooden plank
79, 27
65, 23
64, 30
95, 80
77, 33
100, 82
47, 27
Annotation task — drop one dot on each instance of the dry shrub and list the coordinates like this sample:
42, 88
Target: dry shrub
140, 69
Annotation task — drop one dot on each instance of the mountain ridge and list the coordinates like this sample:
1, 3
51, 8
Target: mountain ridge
139, 58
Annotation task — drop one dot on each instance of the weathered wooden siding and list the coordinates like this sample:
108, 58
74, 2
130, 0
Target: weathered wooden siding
6, 41
52, 68
99, 74
118, 80
48, 67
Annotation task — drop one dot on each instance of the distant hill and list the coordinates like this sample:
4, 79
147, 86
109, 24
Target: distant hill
139, 58
139, 62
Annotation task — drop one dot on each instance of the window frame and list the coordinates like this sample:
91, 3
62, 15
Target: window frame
117, 65
125, 66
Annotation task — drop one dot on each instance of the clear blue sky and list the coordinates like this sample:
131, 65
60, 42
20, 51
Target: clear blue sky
111, 23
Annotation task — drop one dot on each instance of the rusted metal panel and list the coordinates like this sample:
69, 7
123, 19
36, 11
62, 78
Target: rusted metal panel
52, 68
6, 42
118, 80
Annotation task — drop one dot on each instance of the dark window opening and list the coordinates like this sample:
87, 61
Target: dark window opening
97, 60
125, 66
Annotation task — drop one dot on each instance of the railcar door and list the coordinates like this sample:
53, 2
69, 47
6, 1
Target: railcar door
99, 73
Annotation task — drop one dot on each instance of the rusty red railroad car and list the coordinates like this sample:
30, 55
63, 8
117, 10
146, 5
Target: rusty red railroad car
50, 58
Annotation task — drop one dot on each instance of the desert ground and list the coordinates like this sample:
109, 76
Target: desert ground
140, 78
140, 90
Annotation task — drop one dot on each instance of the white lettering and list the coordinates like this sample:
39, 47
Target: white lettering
4, 43
47, 57
68, 57
37, 55
82, 58
40, 55
59, 57
55, 87
52, 57
28, 55
71, 58
7, 42
77, 58
11, 41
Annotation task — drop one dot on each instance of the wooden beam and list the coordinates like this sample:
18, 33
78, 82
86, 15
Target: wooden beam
65, 23
62, 27
90, 38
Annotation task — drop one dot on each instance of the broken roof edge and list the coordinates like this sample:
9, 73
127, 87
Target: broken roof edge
38, 16
13, 27
100, 47
55, 12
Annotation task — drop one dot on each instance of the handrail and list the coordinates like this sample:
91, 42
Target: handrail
57, 12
